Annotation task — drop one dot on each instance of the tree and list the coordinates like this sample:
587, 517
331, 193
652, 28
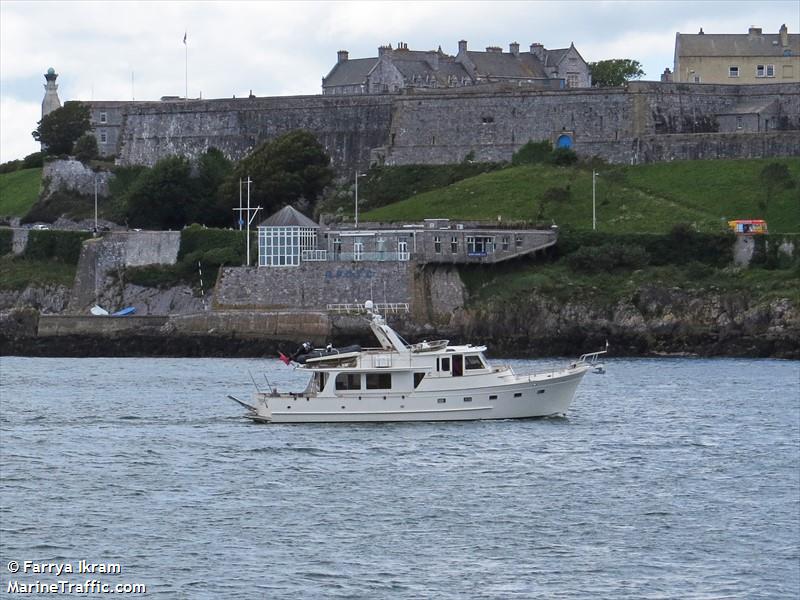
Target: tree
288, 169
161, 197
774, 176
58, 130
532, 153
615, 72
85, 148
213, 169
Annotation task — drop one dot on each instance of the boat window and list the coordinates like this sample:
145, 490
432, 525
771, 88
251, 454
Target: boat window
444, 364
379, 381
418, 377
348, 381
473, 361
468, 399
320, 379
458, 365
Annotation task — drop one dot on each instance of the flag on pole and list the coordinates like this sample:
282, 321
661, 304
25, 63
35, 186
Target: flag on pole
285, 359
184, 38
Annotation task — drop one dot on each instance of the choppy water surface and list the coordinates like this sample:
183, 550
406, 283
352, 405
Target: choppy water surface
669, 478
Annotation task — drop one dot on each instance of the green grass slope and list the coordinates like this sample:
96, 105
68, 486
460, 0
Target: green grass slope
645, 198
19, 191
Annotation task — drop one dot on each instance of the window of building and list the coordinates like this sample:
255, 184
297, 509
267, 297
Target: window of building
572, 80
104, 117
733, 71
473, 361
454, 244
283, 246
479, 246
760, 71
739, 122
437, 245
358, 250
402, 250
505, 243
337, 247
379, 381
348, 381
103, 136
770, 70
518, 241
697, 78
486, 120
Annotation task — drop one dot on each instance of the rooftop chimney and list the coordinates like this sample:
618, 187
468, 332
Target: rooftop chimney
513, 48
341, 56
538, 51
462, 46
495, 49
384, 50
784, 35
701, 32
754, 31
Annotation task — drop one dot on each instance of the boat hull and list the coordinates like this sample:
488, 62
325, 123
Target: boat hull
514, 398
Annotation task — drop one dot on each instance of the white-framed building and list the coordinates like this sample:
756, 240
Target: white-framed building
286, 238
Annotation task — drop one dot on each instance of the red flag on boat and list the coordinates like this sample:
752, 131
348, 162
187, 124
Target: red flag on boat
286, 360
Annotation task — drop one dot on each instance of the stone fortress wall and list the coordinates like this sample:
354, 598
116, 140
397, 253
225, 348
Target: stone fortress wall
643, 122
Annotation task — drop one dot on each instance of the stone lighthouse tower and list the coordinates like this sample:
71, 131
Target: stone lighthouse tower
50, 101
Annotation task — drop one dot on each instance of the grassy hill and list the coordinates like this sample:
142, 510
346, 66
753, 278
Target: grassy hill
19, 191
643, 198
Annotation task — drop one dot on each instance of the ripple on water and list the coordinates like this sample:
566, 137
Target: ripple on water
668, 478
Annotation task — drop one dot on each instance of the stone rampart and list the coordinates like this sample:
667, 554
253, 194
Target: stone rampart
57, 325
277, 325
74, 176
617, 124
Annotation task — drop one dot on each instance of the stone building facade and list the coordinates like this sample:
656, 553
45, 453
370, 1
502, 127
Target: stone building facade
737, 59
395, 70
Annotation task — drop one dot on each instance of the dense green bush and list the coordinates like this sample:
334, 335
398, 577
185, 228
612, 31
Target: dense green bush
58, 246
563, 157
33, 161
6, 241
199, 239
533, 153
60, 203
681, 246
608, 257
86, 148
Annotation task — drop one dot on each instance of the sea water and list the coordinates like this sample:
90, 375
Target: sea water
668, 478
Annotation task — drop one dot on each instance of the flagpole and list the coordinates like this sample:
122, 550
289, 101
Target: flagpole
186, 68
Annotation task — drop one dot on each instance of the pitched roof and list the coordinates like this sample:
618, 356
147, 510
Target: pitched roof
504, 64
288, 216
350, 72
735, 44
555, 56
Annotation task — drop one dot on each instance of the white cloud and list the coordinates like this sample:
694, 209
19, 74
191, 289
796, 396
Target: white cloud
15, 128
285, 48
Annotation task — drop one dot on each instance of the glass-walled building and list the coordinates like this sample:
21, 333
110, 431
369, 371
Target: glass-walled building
286, 238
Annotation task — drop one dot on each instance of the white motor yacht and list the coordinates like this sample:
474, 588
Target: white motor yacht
429, 381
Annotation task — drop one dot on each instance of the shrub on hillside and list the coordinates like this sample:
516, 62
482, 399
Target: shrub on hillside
60, 203
533, 153
563, 157
33, 161
59, 246
6, 241
608, 257
10, 166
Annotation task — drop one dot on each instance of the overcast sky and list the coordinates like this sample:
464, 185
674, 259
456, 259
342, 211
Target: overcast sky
123, 50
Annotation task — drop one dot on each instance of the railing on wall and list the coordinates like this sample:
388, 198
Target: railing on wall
373, 256
314, 255
379, 307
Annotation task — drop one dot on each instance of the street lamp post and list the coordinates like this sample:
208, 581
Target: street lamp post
357, 176
95, 204
594, 211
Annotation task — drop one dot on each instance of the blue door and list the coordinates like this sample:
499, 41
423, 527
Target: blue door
564, 141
